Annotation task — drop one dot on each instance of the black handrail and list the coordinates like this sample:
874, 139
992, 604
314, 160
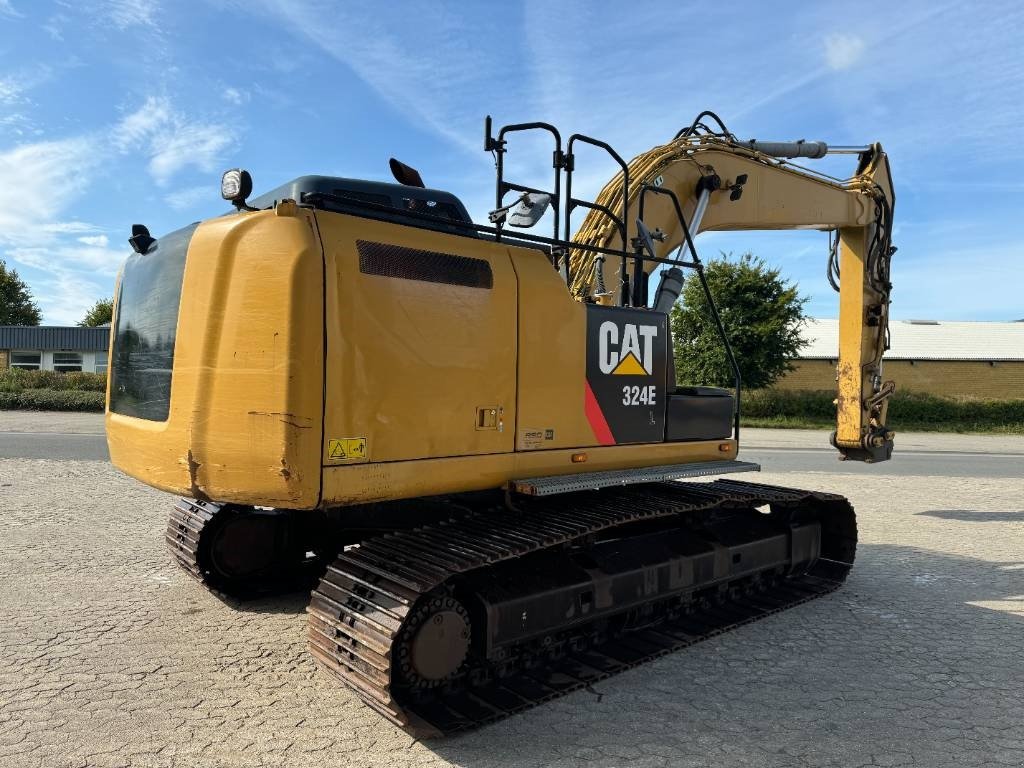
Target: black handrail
571, 202
501, 186
698, 267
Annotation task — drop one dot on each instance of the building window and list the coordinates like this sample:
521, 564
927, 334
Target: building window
30, 361
66, 362
101, 364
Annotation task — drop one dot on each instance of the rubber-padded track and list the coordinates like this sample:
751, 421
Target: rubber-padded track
362, 602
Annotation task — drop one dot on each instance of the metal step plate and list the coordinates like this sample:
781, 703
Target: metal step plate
591, 481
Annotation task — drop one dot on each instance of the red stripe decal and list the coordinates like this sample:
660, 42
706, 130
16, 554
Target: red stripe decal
595, 416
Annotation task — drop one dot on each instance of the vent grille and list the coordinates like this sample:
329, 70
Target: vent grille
389, 260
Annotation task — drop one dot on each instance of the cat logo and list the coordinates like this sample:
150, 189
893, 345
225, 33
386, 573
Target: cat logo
632, 355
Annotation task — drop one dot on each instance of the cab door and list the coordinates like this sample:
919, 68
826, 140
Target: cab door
421, 343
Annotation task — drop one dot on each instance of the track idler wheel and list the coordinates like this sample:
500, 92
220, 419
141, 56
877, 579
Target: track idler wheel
434, 642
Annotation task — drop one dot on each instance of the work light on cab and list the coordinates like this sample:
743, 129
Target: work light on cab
236, 186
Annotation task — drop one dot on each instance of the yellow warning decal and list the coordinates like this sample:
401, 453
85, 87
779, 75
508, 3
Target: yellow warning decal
346, 448
629, 366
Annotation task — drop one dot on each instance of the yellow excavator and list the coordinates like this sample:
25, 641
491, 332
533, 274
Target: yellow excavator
469, 437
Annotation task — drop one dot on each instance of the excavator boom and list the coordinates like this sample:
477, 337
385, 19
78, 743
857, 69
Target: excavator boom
724, 184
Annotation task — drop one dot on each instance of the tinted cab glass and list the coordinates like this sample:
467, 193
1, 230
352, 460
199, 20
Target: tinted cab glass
142, 356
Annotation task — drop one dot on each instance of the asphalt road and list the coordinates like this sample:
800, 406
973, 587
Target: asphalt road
906, 462
59, 446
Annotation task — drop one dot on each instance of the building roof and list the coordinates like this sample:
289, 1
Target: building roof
54, 338
927, 340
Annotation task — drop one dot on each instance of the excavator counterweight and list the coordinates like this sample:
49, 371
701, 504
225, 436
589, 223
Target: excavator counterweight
468, 438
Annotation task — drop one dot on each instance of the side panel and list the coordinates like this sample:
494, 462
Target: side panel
246, 397
552, 359
421, 343
588, 375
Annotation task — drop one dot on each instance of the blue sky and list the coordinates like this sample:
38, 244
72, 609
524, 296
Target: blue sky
121, 111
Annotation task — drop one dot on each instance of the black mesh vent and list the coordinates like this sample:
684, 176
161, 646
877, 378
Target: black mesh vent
429, 266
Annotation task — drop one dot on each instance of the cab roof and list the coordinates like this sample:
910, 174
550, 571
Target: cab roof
428, 208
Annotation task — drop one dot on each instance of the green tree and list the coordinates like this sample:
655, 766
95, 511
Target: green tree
102, 312
762, 314
16, 304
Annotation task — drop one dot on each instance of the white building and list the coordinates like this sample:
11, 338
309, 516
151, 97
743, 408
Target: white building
54, 348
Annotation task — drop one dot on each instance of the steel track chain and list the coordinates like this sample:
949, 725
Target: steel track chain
359, 608
184, 531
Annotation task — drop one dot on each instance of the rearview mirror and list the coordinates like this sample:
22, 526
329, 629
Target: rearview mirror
645, 238
529, 210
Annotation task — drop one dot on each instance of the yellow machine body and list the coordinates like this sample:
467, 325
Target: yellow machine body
301, 380
295, 390
246, 403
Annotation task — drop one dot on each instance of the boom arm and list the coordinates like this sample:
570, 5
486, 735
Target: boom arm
725, 185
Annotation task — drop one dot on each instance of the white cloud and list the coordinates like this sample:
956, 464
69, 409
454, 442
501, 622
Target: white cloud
65, 296
6, 9
842, 51
434, 72
172, 140
10, 90
37, 181
15, 104
189, 144
54, 26
131, 13
17, 123
68, 227
235, 96
185, 199
13, 87
73, 276
69, 259
143, 124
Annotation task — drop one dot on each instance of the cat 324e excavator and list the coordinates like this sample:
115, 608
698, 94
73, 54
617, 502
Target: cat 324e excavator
471, 440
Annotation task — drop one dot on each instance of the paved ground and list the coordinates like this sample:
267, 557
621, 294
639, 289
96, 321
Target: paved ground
922, 454
52, 435
111, 657
51, 422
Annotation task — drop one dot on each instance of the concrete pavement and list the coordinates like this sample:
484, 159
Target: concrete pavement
111, 656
